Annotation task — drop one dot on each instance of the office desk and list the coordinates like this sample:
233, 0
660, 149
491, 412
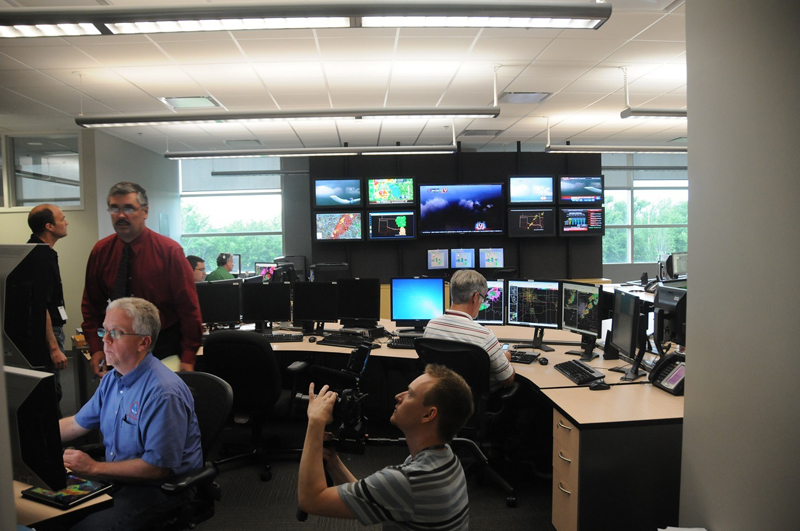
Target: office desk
30, 512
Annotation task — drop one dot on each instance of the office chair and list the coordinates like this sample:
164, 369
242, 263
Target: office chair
246, 361
504, 273
472, 363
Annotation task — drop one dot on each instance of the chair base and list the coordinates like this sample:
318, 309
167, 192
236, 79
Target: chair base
485, 470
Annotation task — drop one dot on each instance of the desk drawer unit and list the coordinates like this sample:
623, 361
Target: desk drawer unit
566, 440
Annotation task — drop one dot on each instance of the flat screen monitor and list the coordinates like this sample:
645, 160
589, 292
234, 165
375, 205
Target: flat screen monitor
390, 191
36, 452
415, 301
493, 306
337, 193
580, 190
670, 315
531, 222
626, 332
237, 264
266, 302
315, 302
677, 265
534, 303
220, 301
581, 222
462, 258
438, 258
265, 269
461, 209
581, 312
394, 225
338, 226
490, 258
530, 190
359, 302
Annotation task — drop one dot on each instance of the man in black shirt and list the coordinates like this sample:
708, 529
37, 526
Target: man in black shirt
49, 224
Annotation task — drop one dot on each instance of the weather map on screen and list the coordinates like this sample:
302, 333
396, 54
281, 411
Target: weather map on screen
493, 305
391, 191
530, 190
437, 258
339, 226
461, 209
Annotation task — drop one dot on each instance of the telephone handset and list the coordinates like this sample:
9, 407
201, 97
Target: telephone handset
651, 286
669, 373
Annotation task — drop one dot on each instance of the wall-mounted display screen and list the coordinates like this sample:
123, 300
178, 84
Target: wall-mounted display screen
530, 190
392, 225
581, 222
462, 258
338, 226
338, 193
488, 258
580, 190
461, 209
390, 191
438, 258
531, 222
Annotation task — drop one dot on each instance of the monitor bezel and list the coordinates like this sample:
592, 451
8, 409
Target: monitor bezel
552, 234
580, 234
486, 322
277, 293
337, 240
338, 206
597, 202
512, 178
330, 301
220, 285
399, 204
625, 355
373, 283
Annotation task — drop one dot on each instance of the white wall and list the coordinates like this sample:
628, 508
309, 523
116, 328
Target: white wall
741, 470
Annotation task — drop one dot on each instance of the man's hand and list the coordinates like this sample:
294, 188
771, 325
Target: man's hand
97, 357
320, 407
79, 462
59, 359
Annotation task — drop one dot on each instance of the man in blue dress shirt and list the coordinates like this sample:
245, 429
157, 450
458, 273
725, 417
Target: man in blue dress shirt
146, 415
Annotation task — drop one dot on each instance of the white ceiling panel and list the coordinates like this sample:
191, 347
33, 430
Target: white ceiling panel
566, 49
262, 50
357, 100
50, 56
519, 49
426, 49
648, 52
112, 55
339, 49
194, 52
670, 28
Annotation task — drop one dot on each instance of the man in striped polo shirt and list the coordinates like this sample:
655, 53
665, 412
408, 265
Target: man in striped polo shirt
468, 290
428, 491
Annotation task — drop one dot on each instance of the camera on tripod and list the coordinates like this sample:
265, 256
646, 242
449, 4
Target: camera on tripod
348, 412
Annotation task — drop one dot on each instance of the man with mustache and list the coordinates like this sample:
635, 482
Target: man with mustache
139, 262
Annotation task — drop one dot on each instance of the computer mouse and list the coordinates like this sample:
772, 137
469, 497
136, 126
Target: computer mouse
543, 361
599, 386
312, 339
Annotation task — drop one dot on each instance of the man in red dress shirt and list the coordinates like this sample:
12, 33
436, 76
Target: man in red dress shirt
141, 263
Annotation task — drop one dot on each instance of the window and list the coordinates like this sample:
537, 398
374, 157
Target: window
647, 207
232, 206
43, 169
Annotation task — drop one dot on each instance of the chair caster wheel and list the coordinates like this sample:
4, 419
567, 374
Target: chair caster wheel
511, 502
266, 475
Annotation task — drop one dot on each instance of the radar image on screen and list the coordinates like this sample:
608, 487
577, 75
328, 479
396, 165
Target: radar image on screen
581, 310
491, 309
390, 191
533, 305
339, 226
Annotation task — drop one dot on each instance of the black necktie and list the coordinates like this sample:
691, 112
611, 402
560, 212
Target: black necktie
123, 273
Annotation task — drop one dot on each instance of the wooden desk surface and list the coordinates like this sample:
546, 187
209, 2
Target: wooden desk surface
30, 512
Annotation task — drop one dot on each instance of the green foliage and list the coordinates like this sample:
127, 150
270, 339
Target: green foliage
615, 246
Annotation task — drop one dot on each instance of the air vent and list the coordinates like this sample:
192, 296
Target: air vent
190, 102
481, 132
523, 97
243, 144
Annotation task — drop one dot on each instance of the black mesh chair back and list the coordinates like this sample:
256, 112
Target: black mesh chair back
213, 402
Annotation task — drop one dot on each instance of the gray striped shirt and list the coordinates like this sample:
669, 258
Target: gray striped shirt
428, 492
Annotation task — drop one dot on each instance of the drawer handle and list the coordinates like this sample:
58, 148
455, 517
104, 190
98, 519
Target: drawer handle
562, 425
561, 456
562, 489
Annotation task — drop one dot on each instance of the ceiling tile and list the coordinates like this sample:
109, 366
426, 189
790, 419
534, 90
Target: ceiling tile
213, 52
355, 49
51, 57
669, 28
413, 48
648, 52
514, 49
114, 55
587, 50
262, 50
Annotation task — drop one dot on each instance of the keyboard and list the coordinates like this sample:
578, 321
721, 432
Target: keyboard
406, 342
284, 338
579, 372
345, 341
523, 357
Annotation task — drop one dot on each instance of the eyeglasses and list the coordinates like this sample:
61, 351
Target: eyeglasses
481, 295
127, 210
115, 334
201, 268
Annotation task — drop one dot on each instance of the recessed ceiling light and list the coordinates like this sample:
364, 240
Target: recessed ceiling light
523, 97
189, 102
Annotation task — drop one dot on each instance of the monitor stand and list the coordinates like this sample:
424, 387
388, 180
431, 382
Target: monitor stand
587, 352
634, 373
417, 331
536, 342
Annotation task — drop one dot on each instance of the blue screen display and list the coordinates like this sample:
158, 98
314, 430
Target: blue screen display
417, 299
462, 258
523, 190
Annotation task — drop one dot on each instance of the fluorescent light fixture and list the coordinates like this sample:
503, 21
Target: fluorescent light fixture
572, 148
189, 102
642, 112
200, 117
124, 20
313, 152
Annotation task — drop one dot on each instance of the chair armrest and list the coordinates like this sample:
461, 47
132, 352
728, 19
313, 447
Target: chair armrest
507, 393
201, 476
297, 367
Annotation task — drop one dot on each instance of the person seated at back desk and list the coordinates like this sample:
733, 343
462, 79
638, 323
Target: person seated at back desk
468, 290
224, 268
146, 415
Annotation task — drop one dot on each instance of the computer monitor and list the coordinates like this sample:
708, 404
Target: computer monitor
581, 312
36, 452
415, 301
677, 265
493, 306
266, 303
393, 225
438, 258
670, 315
315, 303
531, 222
23, 295
338, 226
390, 191
490, 258
581, 222
237, 265
626, 332
462, 258
580, 190
359, 302
220, 301
461, 209
265, 269
337, 193
530, 190
534, 303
